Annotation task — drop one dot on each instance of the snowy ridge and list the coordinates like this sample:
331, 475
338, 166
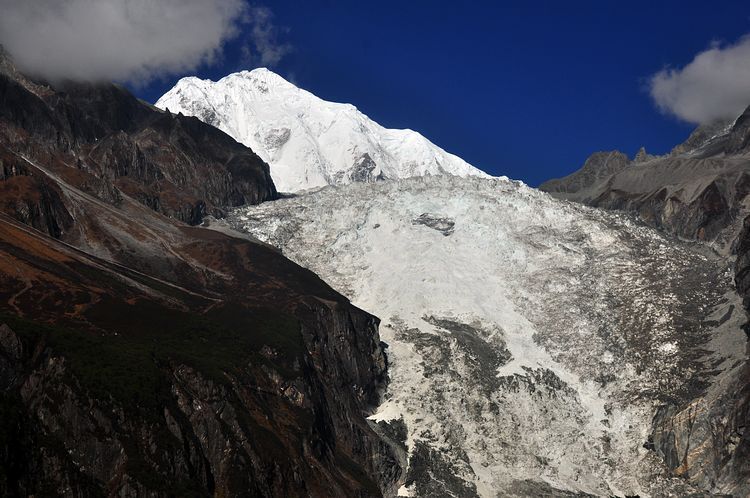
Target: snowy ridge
307, 141
530, 340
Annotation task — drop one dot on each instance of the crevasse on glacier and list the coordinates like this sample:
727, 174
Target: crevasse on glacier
530, 339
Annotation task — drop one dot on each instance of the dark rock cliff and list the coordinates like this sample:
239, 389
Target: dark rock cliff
140, 356
740, 414
108, 142
742, 265
114, 382
706, 440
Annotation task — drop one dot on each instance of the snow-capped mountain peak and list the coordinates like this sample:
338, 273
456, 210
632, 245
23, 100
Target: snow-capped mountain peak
307, 141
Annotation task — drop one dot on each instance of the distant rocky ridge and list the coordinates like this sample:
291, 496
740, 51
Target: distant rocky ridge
698, 191
308, 142
142, 356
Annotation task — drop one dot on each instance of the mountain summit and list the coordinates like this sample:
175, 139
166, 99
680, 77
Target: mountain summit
307, 141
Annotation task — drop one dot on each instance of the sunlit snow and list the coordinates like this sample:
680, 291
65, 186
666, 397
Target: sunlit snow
530, 340
307, 141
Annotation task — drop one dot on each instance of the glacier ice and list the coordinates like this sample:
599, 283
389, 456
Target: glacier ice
530, 346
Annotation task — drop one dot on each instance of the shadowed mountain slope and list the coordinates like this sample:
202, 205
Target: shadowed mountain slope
143, 356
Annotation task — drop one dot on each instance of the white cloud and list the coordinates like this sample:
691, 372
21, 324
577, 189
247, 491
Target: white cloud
126, 40
714, 85
264, 36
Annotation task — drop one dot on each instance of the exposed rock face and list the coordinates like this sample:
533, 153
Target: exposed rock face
247, 374
739, 416
108, 143
742, 265
31, 198
363, 170
442, 225
212, 436
140, 356
698, 191
597, 168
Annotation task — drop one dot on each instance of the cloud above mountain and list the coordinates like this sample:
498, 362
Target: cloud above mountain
128, 40
714, 85
264, 35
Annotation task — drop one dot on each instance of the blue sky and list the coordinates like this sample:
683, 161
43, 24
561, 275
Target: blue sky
524, 89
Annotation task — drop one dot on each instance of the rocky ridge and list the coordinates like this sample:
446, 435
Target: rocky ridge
697, 191
105, 141
140, 355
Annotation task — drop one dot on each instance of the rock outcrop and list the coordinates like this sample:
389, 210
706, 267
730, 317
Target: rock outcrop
108, 143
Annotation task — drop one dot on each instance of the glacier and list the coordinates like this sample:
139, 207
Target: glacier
530, 340
308, 142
